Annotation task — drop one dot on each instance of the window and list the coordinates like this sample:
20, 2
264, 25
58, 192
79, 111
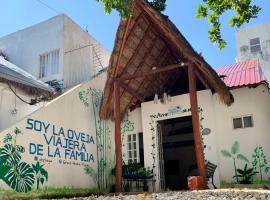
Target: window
49, 64
237, 123
248, 121
255, 45
132, 148
243, 122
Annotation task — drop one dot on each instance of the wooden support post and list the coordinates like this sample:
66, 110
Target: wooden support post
196, 123
118, 145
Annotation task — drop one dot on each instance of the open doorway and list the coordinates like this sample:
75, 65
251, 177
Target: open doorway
177, 152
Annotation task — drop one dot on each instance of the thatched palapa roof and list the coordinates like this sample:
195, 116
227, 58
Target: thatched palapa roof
149, 39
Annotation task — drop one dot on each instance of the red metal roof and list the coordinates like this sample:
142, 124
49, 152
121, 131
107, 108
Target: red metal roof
241, 74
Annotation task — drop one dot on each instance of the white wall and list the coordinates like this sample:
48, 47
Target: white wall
242, 39
248, 101
218, 117
78, 54
69, 112
76, 64
24, 47
205, 101
9, 102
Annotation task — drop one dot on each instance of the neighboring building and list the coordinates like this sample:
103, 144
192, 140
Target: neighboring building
20, 93
56, 50
254, 42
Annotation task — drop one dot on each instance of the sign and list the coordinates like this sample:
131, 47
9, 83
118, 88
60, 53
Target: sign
59, 142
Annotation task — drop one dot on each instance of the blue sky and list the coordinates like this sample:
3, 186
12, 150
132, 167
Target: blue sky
18, 14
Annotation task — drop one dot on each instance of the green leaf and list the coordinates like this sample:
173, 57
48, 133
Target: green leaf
20, 178
240, 171
42, 180
3, 170
20, 148
8, 138
242, 157
44, 173
266, 169
202, 11
235, 148
226, 153
9, 155
17, 131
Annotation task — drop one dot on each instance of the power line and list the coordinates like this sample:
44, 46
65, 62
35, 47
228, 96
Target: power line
48, 6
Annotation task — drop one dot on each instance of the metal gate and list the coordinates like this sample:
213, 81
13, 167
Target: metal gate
160, 157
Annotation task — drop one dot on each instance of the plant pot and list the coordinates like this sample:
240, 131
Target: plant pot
195, 183
145, 187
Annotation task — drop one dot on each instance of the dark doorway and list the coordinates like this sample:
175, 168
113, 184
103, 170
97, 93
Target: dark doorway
178, 151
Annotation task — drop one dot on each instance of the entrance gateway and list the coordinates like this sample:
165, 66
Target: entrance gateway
177, 153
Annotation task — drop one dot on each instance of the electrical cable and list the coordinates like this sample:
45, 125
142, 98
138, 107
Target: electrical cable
18, 95
48, 6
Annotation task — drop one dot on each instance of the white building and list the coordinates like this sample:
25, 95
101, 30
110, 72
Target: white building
56, 50
74, 135
254, 42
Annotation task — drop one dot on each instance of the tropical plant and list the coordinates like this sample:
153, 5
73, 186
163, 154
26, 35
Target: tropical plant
89, 170
124, 6
41, 173
235, 155
92, 97
212, 10
246, 174
259, 161
15, 173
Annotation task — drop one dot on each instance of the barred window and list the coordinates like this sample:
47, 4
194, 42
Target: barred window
255, 45
49, 64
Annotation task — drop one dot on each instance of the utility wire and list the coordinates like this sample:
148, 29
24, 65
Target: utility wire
14, 92
48, 6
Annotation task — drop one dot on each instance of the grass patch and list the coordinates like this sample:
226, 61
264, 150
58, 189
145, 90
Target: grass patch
50, 193
232, 184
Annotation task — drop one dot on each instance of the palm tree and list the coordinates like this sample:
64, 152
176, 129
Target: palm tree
234, 154
41, 173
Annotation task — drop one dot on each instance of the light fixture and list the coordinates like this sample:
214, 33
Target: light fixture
14, 111
165, 98
156, 99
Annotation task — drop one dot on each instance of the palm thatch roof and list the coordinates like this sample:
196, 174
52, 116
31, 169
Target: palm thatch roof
149, 39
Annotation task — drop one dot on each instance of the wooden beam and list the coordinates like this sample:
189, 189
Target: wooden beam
161, 56
153, 71
123, 41
118, 145
200, 77
196, 123
132, 92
